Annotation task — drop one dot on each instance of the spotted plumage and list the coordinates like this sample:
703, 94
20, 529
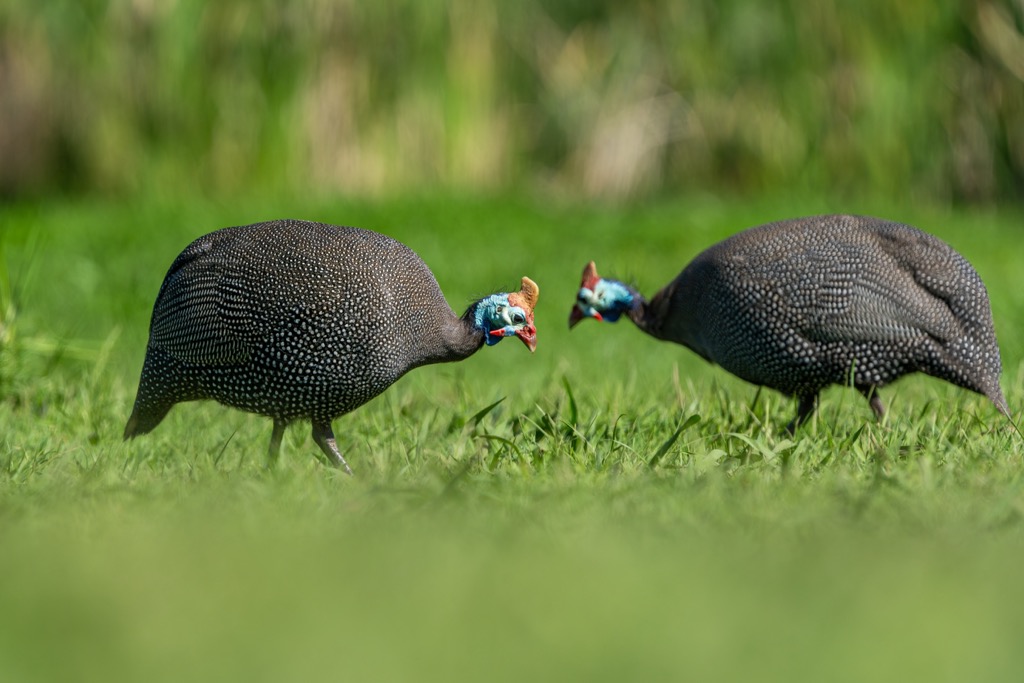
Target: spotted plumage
300, 320
801, 304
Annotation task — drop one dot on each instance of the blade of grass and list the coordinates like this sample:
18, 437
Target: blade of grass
573, 412
663, 449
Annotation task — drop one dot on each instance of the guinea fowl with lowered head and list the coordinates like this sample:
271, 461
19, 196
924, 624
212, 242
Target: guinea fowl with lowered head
300, 320
801, 304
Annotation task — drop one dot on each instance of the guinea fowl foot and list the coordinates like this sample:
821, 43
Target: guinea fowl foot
274, 452
792, 425
803, 411
871, 394
324, 437
1013, 424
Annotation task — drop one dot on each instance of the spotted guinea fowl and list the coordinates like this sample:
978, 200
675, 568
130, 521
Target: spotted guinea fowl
300, 320
801, 304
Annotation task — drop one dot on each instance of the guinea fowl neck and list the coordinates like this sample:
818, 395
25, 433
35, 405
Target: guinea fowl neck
462, 338
453, 339
640, 311
670, 315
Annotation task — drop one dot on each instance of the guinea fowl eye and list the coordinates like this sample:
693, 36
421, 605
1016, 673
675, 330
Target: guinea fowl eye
518, 318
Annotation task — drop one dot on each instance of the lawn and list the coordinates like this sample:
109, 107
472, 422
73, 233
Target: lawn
609, 508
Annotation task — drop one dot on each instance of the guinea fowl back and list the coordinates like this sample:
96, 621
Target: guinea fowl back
213, 285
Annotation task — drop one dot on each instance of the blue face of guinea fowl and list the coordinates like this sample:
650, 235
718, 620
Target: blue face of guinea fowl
499, 318
607, 300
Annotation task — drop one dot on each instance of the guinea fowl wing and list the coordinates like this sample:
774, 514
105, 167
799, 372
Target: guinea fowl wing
202, 314
852, 291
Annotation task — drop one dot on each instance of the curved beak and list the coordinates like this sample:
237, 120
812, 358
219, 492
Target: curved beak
575, 315
528, 334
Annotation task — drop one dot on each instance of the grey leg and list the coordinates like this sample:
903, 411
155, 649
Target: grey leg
274, 452
808, 403
324, 437
871, 394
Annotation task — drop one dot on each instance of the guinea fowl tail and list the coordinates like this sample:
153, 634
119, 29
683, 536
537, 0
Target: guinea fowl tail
143, 420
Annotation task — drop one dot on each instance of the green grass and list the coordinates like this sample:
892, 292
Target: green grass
626, 512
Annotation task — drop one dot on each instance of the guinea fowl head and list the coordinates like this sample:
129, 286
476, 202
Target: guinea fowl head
505, 314
600, 298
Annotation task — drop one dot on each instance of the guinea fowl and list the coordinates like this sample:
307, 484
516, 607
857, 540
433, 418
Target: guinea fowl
300, 320
801, 304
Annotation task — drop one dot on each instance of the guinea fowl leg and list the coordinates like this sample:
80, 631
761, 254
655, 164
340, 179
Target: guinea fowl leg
871, 394
324, 437
274, 452
808, 403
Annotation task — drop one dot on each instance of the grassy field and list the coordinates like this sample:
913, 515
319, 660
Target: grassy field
626, 512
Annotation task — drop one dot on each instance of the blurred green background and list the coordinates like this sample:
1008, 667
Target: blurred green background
589, 98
